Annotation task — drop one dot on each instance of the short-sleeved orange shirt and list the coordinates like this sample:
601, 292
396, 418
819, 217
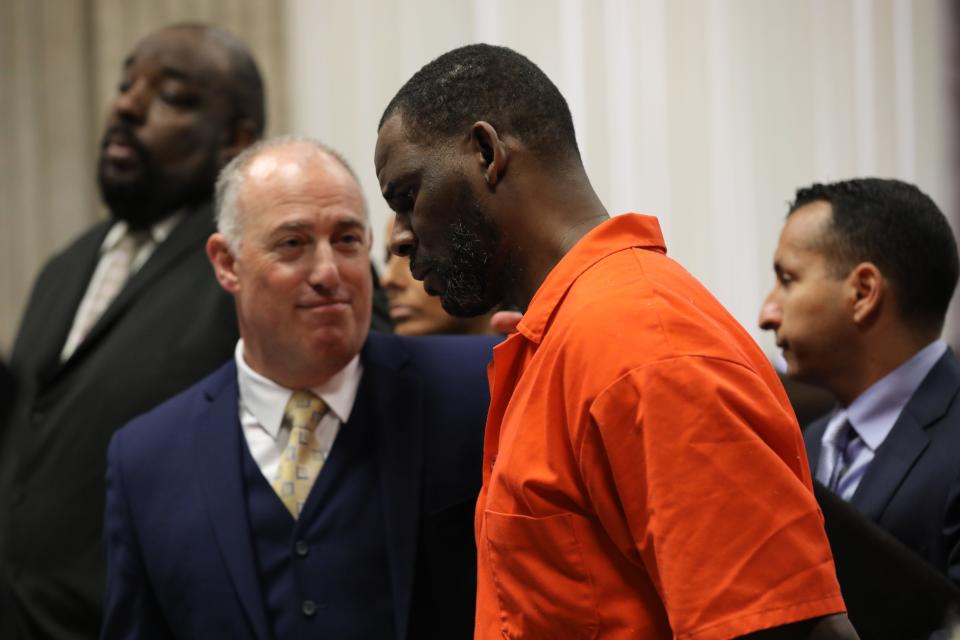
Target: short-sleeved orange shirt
644, 475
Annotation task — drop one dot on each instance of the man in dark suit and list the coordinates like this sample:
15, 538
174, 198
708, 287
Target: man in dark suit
865, 272
322, 483
123, 318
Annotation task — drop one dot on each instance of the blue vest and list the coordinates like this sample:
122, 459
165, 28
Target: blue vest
326, 575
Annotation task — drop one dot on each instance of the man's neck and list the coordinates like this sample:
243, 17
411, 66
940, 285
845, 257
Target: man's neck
878, 361
548, 226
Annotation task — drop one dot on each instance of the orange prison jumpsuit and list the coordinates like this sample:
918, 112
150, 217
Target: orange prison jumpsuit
644, 475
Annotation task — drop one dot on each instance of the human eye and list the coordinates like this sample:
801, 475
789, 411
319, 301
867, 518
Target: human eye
289, 245
177, 95
350, 240
404, 201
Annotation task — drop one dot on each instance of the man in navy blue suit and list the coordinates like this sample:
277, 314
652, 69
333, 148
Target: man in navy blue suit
865, 271
322, 483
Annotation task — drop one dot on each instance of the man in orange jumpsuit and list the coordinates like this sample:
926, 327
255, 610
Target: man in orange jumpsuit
644, 476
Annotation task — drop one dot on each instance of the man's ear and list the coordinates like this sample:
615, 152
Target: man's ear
240, 134
224, 264
868, 289
489, 151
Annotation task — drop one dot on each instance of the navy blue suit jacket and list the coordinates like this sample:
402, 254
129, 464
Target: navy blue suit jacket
912, 486
180, 555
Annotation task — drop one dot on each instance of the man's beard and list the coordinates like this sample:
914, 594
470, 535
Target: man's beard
475, 275
148, 196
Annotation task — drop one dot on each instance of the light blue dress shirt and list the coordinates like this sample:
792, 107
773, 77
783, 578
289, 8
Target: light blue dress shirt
873, 414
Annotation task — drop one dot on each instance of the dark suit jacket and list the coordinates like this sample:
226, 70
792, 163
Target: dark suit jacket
7, 389
171, 325
912, 486
180, 554
889, 591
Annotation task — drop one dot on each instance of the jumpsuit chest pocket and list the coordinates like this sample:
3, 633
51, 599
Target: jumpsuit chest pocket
543, 587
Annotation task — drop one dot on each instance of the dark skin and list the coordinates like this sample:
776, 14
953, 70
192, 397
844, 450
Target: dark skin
545, 209
538, 205
171, 126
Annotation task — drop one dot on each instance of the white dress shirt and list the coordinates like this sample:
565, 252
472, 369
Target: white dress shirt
155, 235
873, 414
262, 402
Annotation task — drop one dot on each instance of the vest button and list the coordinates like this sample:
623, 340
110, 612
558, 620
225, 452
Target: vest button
301, 548
309, 608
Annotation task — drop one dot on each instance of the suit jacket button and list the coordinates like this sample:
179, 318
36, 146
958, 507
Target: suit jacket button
301, 548
309, 608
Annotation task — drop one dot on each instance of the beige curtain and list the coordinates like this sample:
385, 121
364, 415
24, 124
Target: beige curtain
707, 113
59, 65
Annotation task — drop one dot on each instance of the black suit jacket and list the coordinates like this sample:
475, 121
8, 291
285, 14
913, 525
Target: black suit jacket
912, 486
171, 325
890, 592
181, 559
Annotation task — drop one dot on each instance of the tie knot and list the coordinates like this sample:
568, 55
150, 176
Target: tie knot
845, 435
304, 410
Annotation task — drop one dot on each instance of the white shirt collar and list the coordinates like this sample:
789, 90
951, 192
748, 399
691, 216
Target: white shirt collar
874, 412
266, 399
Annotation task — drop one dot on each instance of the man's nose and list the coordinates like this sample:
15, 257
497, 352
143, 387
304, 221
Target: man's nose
325, 272
132, 102
403, 242
770, 313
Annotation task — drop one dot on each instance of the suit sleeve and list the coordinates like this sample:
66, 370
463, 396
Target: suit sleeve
698, 473
130, 607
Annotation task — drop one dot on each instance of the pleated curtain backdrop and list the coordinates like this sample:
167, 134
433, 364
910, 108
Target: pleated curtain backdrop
60, 63
707, 113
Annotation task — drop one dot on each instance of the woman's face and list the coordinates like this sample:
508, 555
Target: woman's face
413, 311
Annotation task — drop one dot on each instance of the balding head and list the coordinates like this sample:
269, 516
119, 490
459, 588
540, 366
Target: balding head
260, 162
294, 251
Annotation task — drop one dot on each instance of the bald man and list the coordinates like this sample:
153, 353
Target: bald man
321, 483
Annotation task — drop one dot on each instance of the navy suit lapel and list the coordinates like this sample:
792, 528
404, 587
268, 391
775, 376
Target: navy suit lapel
218, 452
392, 398
811, 439
908, 438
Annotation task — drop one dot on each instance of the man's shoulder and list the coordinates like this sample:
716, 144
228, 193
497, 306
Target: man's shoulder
167, 423
87, 244
637, 308
429, 352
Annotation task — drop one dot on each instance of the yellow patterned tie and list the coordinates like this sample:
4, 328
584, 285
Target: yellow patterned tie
302, 459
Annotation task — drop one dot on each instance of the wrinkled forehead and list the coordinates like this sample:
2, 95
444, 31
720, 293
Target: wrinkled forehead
391, 141
398, 155
303, 173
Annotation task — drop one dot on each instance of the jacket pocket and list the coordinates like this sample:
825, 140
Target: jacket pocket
540, 576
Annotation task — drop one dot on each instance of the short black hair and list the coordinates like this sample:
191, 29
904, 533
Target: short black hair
485, 82
898, 228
